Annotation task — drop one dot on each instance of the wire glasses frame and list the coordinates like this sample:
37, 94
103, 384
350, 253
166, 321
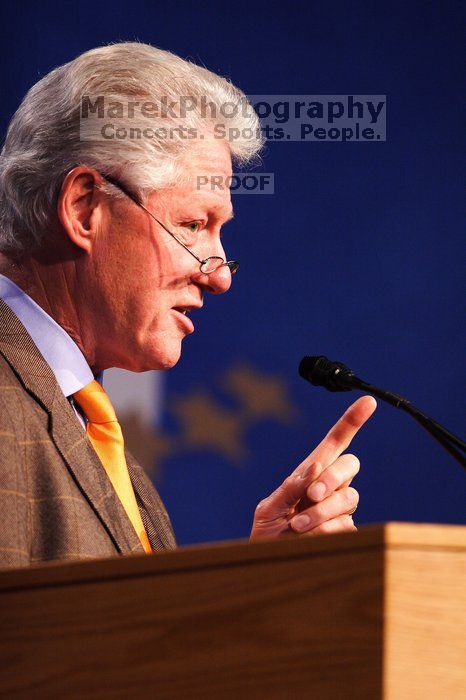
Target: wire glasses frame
207, 266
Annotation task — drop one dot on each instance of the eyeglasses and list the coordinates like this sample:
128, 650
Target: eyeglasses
207, 266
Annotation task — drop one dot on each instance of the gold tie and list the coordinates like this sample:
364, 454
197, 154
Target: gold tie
104, 432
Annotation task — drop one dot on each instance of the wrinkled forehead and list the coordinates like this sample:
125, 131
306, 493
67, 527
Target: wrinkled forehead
207, 157
206, 171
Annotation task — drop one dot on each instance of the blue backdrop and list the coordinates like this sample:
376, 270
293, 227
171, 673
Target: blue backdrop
357, 255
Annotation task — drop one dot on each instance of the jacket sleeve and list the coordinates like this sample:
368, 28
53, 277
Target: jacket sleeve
14, 540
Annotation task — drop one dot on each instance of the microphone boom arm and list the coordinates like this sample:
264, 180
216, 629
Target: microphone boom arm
448, 441
335, 376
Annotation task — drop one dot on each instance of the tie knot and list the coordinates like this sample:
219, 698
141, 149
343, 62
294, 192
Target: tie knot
95, 403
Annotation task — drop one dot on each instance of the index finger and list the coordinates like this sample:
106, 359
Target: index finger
339, 437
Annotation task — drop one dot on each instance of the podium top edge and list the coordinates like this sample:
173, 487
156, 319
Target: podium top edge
419, 535
237, 553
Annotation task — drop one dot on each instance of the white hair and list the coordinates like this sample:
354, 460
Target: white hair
45, 139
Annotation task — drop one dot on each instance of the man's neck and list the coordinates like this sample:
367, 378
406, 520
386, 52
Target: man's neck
53, 286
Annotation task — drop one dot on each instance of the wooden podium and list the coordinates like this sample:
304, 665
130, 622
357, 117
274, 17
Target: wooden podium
374, 614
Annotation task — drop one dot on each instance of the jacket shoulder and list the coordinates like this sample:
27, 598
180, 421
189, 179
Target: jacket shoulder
16, 403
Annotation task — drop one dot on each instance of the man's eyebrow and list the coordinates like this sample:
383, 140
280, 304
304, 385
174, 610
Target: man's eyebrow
219, 217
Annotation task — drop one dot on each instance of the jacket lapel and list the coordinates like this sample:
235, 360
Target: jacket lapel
155, 517
18, 348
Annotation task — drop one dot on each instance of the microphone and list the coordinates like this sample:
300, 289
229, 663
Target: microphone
335, 376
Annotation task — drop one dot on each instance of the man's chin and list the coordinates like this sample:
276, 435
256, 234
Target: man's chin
156, 361
144, 357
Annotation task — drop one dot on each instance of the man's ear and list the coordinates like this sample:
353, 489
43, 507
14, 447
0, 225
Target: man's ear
79, 206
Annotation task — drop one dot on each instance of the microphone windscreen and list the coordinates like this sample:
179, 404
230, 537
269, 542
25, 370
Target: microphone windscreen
315, 369
320, 371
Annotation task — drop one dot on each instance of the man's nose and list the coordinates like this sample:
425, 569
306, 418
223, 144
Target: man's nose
216, 282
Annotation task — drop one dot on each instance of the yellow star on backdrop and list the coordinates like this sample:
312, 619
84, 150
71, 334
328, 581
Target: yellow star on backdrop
206, 424
262, 396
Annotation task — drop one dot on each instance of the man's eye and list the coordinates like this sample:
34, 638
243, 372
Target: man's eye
189, 232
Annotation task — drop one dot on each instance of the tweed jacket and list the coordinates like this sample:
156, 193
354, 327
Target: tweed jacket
56, 500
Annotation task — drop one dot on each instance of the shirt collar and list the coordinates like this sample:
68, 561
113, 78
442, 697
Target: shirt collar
55, 345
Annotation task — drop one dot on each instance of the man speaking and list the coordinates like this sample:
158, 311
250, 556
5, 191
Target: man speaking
107, 244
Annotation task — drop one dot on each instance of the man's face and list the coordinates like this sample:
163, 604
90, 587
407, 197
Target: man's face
146, 279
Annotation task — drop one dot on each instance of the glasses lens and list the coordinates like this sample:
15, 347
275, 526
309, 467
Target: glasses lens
211, 264
214, 263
